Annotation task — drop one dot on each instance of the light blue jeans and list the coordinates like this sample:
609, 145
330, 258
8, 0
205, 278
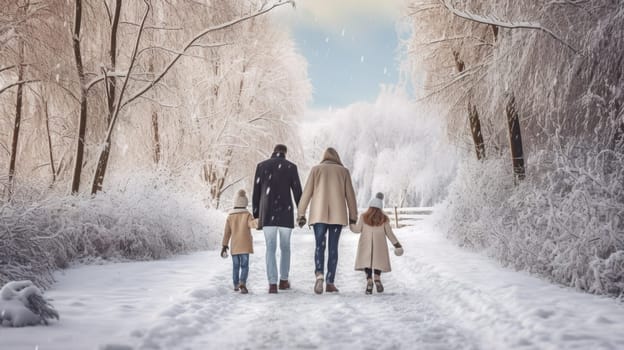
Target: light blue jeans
240, 268
270, 236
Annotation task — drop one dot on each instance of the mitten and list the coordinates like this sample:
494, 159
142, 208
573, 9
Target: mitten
398, 249
301, 221
224, 253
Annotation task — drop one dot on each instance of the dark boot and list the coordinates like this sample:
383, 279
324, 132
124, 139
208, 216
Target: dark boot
243, 289
272, 288
284, 284
369, 286
379, 286
236, 288
331, 288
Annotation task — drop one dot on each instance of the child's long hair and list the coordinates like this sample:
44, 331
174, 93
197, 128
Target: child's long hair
375, 217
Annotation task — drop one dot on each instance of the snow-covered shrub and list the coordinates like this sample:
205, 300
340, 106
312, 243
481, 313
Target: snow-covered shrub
565, 221
150, 218
22, 304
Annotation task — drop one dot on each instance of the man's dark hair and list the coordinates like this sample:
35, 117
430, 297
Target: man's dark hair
279, 148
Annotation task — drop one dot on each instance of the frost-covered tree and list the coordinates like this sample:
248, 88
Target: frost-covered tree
562, 62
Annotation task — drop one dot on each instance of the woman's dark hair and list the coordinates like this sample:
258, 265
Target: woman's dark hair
375, 217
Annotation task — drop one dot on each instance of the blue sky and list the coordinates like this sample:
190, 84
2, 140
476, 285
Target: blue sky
351, 47
349, 68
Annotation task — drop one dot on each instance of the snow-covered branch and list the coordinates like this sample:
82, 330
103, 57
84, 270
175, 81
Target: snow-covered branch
194, 41
491, 20
21, 82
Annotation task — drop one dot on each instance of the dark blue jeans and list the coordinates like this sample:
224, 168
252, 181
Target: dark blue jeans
320, 234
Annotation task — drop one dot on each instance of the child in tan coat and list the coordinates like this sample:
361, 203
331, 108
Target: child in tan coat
237, 232
372, 254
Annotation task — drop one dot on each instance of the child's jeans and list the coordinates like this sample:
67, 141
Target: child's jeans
240, 268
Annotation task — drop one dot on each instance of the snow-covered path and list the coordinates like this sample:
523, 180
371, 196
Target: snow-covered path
438, 297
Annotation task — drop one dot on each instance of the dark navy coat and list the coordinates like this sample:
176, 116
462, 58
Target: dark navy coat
271, 201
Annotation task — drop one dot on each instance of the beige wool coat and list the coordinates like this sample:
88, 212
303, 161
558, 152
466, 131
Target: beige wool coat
329, 192
238, 227
372, 249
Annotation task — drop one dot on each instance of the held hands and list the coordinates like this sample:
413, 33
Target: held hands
398, 249
301, 221
224, 253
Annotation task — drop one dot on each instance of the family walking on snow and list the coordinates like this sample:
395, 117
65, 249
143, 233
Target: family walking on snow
329, 194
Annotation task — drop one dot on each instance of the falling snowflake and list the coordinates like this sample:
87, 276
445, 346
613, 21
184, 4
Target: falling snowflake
327, 39
279, 166
362, 59
268, 190
343, 32
258, 180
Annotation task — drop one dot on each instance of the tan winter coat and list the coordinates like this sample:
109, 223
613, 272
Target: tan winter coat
238, 228
372, 249
329, 192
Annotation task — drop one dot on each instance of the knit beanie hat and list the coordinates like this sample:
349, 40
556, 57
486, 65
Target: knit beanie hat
240, 200
377, 201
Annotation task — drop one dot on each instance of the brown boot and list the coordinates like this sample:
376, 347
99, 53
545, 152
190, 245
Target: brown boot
284, 284
318, 285
243, 289
331, 288
272, 288
369, 286
378, 285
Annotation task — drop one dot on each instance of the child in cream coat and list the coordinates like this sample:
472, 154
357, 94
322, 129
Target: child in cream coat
372, 254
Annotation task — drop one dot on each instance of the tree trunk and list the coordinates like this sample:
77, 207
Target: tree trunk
515, 139
102, 164
51, 153
475, 128
82, 120
113, 60
156, 137
18, 112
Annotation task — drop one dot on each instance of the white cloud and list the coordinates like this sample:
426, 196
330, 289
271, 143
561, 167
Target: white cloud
335, 15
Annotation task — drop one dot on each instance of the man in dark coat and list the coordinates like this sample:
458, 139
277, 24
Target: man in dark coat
273, 207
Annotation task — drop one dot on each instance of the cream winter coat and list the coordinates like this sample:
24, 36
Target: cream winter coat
329, 192
372, 249
238, 228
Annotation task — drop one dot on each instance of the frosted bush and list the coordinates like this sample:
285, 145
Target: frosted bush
565, 221
150, 218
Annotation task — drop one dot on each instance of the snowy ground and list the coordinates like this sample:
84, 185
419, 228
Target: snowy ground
437, 297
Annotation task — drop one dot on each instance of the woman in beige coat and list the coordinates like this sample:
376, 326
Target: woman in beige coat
237, 234
372, 253
329, 192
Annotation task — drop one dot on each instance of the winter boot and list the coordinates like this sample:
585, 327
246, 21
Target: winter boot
243, 289
369, 286
331, 288
283, 284
272, 288
318, 285
236, 287
379, 286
